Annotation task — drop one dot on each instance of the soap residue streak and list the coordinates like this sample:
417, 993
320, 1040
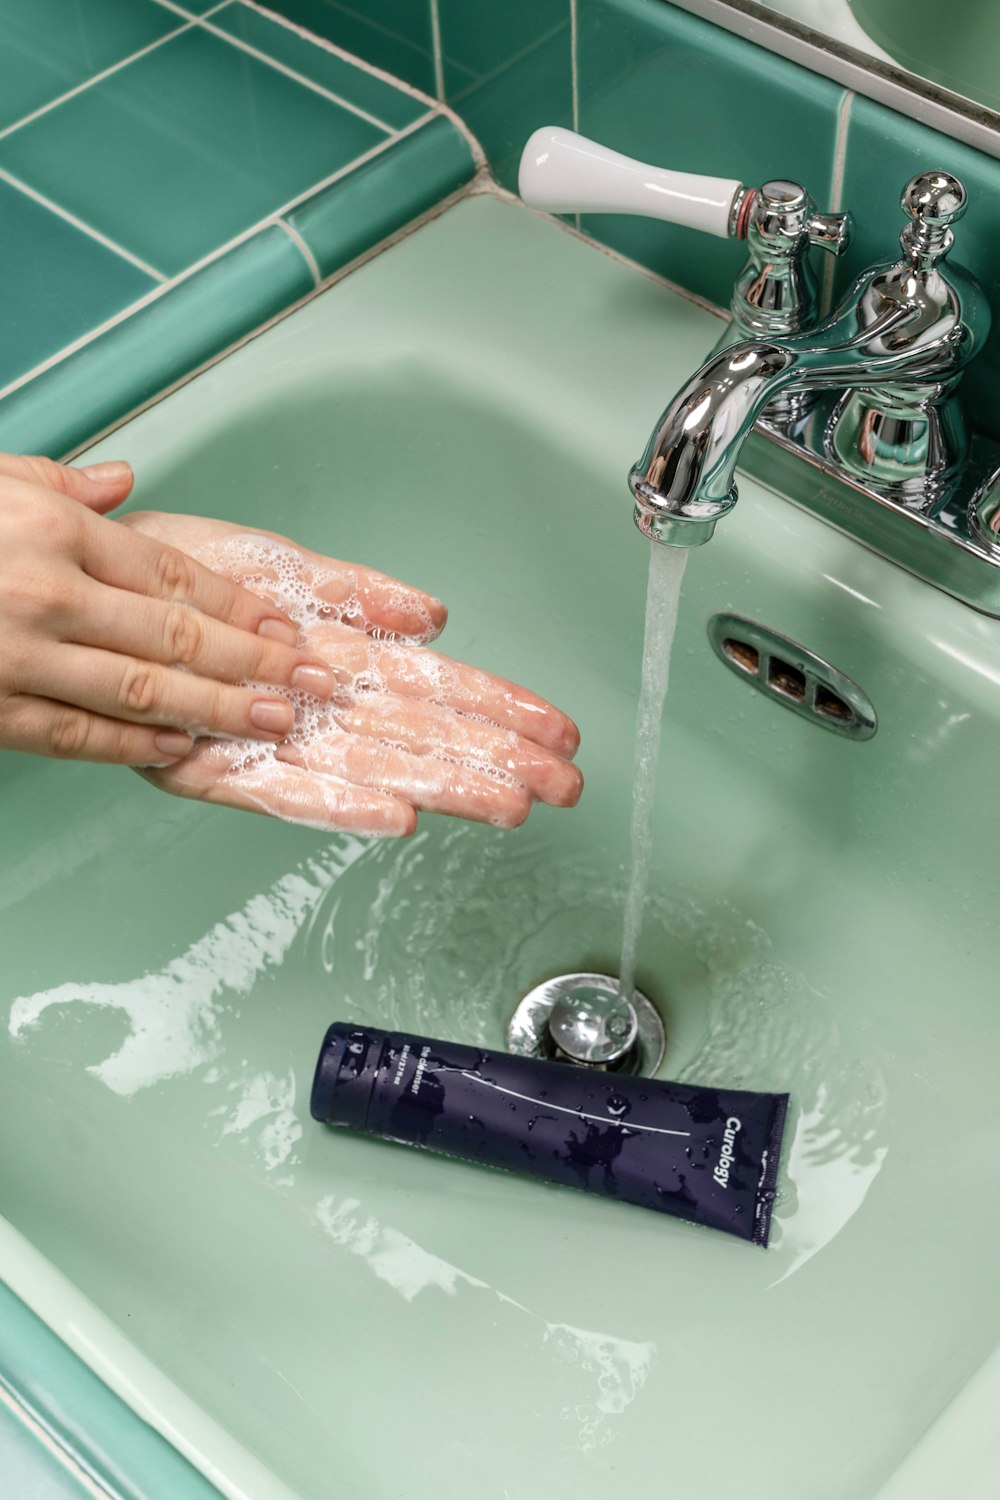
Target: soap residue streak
666, 570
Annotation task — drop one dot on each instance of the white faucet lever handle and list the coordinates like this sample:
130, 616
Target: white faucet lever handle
562, 172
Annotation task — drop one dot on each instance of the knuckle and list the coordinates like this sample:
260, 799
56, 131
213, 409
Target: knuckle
37, 594
138, 690
226, 708
184, 636
173, 574
46, 471
69, 734
59, 519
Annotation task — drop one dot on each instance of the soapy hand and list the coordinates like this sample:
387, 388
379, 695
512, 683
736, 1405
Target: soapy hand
116, 646
405, 728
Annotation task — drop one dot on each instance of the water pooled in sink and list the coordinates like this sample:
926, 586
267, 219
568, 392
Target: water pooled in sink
439, 935
666, 570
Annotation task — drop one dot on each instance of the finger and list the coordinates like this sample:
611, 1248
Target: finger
176, 635
356, 596
427, 729
124, 687
381, 605
274, 567
292, 794
43, 727
430, 785
98, 486
415, 673
126, 559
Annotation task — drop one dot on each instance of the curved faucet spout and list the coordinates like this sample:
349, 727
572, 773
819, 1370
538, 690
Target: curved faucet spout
903, 328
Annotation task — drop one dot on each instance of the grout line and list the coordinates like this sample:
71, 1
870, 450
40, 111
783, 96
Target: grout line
85, 339
836, 191
573, 59
117, 67
430, 214
359, 62
438, 54
574, 76
481, 182
95, 234
400, 84
300, 78
206, 260
479, 80
97, 78
182, 10
299, 242
315, 187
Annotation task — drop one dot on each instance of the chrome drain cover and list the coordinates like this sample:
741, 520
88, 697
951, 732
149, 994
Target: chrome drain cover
585, 1020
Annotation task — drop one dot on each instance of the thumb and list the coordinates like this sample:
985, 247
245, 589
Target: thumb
98, 486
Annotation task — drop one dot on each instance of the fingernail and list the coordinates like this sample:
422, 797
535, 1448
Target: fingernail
109, 473
273, 716
279, 630
319, 681
173, 743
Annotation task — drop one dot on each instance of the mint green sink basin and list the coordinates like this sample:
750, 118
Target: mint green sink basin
306, 1313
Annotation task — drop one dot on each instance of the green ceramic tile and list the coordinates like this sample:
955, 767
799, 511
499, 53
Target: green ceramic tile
147, 352
105, 1435
663, 85
884, 150
395, 35
392, 106
48, 47
185, 148
377, 199
57, 283
507, 69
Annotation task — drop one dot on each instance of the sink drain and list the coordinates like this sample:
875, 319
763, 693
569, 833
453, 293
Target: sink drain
584, 1019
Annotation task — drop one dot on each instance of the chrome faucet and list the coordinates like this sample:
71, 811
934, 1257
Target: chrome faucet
896, 348
866, 397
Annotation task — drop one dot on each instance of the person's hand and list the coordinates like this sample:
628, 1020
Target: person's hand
405, 730
114, 645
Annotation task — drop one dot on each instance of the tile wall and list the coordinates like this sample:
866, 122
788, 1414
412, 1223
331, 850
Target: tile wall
173, 175
656, 82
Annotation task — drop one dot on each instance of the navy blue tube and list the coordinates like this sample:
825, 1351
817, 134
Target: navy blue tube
703, 1154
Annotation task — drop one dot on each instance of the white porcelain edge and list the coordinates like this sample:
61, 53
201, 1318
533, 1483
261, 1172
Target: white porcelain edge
131, 1375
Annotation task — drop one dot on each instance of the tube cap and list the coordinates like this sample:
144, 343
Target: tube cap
345, 1075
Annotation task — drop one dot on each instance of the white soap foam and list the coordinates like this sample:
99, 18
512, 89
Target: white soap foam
312, 596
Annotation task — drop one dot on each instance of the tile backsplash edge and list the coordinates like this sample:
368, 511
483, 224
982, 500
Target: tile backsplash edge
168, 336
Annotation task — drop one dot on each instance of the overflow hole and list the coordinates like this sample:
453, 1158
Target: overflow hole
747, 657
787, 679
832, 707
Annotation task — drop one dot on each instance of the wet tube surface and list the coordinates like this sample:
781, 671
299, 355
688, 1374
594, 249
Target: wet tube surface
703, 1154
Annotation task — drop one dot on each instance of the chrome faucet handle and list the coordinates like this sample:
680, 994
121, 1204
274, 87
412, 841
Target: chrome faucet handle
906, 438
934, 201
776, 294
783, 214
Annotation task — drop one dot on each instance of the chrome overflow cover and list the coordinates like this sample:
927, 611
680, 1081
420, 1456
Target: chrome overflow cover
584, 1019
